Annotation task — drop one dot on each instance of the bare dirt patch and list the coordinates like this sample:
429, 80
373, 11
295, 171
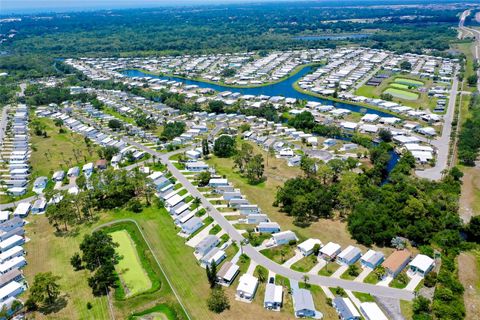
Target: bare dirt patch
468, 272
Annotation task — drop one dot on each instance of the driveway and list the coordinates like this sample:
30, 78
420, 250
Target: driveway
363, 275
319, 266
416, 279
199, 237
298, 255
385, 282
339, 271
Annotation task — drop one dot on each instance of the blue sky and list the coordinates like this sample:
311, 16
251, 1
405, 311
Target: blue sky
26, 6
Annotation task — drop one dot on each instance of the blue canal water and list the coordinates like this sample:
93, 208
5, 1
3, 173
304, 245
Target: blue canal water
333, 37
284, 89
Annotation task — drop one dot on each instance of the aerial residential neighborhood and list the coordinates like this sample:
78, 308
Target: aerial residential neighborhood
270, 160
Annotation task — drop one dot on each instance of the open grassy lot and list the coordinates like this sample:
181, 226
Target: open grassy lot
402, 94
469, 276
279, 254
467, 49
305, 264
329, 269
132, 275
58, 150
277, 172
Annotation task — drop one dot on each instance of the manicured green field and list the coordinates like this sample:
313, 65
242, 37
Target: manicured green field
399, 86
409, 82
397, 93
130, 269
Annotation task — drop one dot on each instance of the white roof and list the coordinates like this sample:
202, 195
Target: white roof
330, 248
4, 267
10, 252
422, 262
22, 209
247, 283
218, 181
4, 215
308, 244
372, 311
174, 200
8, 289
155, 175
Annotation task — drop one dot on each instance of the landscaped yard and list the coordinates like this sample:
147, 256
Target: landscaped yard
305, 264
329, 269
279, 254
133, 277
371, 278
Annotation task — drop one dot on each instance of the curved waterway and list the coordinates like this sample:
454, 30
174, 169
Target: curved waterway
284, 88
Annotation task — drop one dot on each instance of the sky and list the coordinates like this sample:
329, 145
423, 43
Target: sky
31, 6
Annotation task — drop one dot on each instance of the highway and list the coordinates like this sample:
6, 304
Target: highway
257, 256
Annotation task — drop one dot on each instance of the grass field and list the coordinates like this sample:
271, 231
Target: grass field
409, 82
467, 49
58, 151
399, 86
132, 275
402, 94
275, 253
329, 269
161, 312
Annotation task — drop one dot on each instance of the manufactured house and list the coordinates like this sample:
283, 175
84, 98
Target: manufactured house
396, 262
217, 182
273, 297
207, 244
268, 227
330, 251
11, 253
227, 273
421, 265
215, 255
11, 290
247, 209
40, 183
192, 225
22, 210
284, 237
372, 311
11, 224
303, 305
345, 309
256, 218
372, 259
14, 240
39, 206
196, 166
73, 172
349, 255
306, 247
58, 175
87, 169
247, 286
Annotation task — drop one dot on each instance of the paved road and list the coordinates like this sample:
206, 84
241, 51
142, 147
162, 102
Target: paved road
259, 258
442, 143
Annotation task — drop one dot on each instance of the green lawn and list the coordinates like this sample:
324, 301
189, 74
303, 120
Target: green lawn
329, 269
275, 253
215, 229
371, 278
396, 283
407, 309
161, 312
305, 264
399, 86
132, 275
347, 276
59, 151
364, 297
402, 94
409, 82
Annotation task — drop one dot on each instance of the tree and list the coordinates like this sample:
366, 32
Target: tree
385, 135
115, 124
212, 274
255, 169
316, 249
103, 279
308, 166
224, 146
217, 301
306, 279
405, 65
205, 147
98, 249
76, 261
203, 178
45, 288
243, 156
472, 80
353, 270
262, 274
173, 129
379, 272
107, 152
216, 106
473, 229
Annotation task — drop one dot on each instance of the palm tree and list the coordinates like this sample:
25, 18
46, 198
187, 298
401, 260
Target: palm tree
306, 278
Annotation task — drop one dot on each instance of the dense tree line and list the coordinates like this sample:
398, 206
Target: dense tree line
173, 129
469, 138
